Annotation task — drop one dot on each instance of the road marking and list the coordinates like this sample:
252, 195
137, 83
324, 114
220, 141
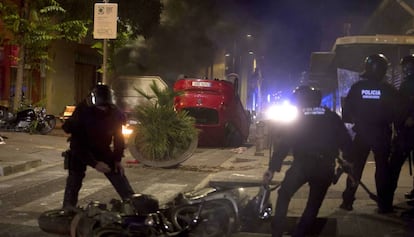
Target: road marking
31, 222
2, 186
50, 147
164, 192
54, 200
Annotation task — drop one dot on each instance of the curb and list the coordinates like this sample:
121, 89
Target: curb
9, 168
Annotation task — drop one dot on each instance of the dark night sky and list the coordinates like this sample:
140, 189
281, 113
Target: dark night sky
291, 29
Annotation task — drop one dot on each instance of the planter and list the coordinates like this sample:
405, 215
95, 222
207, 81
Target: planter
165, 162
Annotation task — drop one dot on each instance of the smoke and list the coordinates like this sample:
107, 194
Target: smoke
285, 32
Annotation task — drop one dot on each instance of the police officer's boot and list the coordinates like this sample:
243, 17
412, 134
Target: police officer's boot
408, 214
347, 206
409, 195
348, 196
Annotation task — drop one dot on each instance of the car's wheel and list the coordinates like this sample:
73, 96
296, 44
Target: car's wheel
56, 221
217, 219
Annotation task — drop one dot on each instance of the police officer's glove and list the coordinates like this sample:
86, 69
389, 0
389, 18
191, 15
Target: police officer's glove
119, 168
346, 166
409, 122
337, 175
276, 163
102, 167
267, 177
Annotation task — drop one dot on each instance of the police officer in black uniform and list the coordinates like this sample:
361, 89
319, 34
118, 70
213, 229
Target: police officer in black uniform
403, 143
371, 106
96, 141
315, 138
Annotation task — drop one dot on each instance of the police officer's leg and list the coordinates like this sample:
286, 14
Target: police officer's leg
76, 173
360, 151
398, 156
293, 180
121, 184
319, 185
382, 176
410, 194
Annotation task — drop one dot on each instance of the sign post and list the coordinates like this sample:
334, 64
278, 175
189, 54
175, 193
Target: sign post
105, 27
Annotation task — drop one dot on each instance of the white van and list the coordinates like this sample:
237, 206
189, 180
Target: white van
127, 97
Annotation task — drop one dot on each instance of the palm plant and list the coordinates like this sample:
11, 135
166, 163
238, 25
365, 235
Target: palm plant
162, 132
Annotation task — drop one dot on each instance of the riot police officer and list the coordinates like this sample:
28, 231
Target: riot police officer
404, 129
315, 139
95, 126
371, 106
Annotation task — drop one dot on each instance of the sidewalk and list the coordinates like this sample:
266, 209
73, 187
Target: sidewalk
23, 151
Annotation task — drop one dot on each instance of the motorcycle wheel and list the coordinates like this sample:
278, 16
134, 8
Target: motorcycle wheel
217, 219
83, 226
47, 126
109, 232
118, 231
56, 221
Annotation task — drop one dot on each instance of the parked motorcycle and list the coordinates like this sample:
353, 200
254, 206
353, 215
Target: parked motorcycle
31, 119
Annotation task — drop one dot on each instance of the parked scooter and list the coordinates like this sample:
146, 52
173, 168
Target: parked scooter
30, 119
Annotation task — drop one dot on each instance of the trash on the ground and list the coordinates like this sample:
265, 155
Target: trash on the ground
239, 150
132, 161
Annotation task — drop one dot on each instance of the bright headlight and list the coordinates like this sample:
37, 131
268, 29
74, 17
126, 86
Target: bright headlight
282, 112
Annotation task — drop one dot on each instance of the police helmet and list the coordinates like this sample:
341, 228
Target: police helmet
307, 96
407, 65
376, 66
102, 95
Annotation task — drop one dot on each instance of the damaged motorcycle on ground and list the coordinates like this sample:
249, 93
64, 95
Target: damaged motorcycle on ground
139, 216
209, 212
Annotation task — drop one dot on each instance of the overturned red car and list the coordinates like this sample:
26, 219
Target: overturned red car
216, 106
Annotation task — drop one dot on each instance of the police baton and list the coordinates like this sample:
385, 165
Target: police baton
410, 163
372, 195
343, 163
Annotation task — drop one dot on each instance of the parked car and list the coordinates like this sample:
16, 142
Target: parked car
216, 106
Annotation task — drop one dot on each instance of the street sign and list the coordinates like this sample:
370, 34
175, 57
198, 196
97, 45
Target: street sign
105, 19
